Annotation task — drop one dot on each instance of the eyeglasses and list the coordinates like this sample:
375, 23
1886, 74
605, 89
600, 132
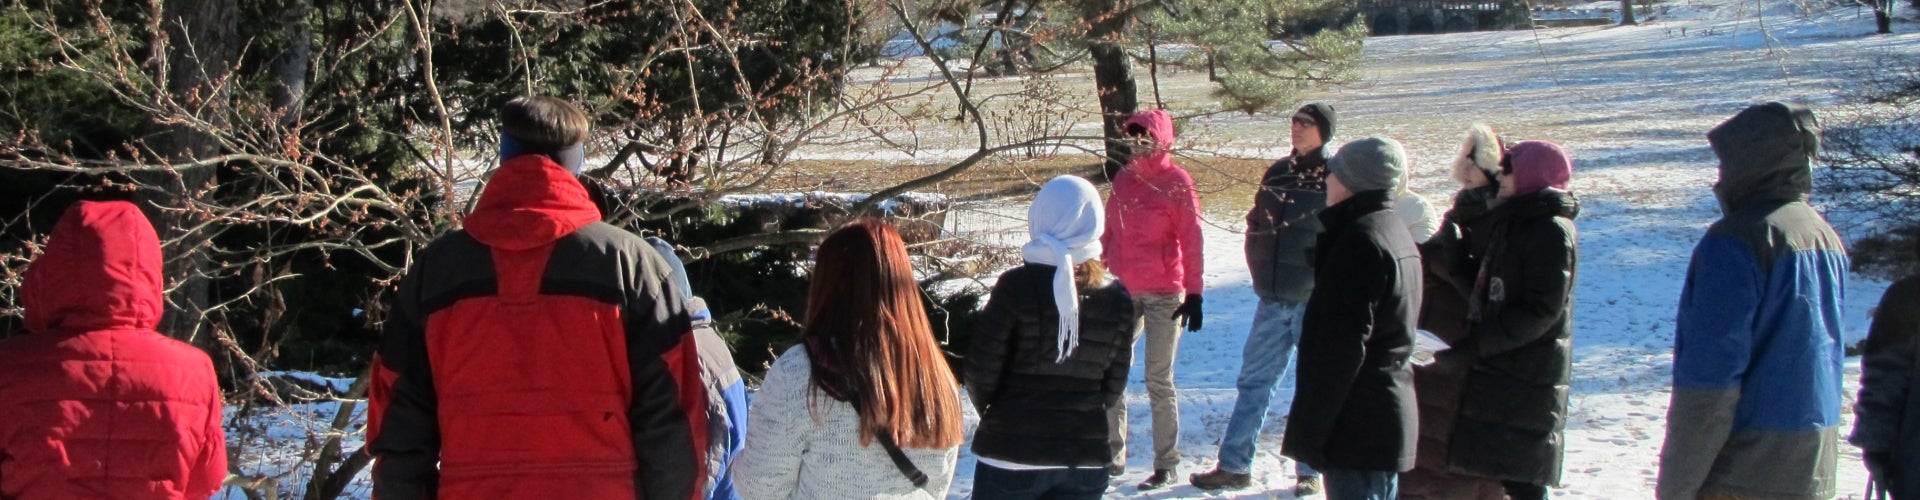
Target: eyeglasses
1304, 122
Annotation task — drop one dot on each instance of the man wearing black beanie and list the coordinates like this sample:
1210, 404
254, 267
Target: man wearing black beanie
1281, 227
1323, 118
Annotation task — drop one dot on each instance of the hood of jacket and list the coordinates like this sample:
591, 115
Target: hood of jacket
1549, 202
531, 201
1159, 127
1766, 154
101, 271
1481, 151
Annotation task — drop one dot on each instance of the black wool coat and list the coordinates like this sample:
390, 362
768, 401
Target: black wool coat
1355, 406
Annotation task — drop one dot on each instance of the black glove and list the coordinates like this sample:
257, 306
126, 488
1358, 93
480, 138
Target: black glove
1188, 314
1880, 467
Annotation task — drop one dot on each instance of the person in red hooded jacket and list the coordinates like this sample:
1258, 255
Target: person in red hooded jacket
93, 402
539, 352
1153, 245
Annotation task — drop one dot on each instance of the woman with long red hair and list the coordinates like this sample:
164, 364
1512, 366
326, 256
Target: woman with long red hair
864, 405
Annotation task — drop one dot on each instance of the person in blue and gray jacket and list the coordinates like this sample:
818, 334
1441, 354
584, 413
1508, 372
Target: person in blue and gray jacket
726, 393
1757, 351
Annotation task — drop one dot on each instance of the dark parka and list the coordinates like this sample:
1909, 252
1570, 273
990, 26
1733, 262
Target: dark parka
1355, 405
1033, 410
1452, 261
1282, 225
1888, 408
1513, 405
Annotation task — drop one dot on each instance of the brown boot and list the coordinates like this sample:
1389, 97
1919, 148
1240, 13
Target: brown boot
1219, 479
1160, 478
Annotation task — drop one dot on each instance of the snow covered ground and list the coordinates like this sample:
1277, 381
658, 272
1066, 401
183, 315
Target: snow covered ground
1631, 104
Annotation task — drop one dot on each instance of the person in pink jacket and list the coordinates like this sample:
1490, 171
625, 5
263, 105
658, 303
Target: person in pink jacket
1153, 245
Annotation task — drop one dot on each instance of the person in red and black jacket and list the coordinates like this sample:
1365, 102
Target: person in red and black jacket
539, 352
93, 402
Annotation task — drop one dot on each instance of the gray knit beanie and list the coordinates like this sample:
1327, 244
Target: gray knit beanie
1369, 164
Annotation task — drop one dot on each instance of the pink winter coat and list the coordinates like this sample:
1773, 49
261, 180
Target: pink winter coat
93, 402
1153, 219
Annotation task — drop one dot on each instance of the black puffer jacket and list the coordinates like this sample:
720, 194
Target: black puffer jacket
1282, 225
1035, 411
1355, 406
1514, 405
1452, 260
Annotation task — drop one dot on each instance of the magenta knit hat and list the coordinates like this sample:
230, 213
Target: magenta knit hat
1538, 165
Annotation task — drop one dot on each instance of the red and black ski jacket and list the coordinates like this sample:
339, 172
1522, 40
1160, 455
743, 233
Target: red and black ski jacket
538, 353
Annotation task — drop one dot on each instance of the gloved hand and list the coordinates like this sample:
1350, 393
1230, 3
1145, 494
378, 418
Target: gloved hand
1188, 314
1880, 467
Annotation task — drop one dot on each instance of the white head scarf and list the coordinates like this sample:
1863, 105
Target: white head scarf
1065, 222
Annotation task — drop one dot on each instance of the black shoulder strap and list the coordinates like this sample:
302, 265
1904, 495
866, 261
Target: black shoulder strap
900, 460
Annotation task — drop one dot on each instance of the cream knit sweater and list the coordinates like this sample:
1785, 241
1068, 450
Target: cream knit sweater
798, 452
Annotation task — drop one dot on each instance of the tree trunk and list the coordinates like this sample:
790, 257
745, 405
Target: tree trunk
1112, 75
289, 97
196, 40
1883, 16
1626, 13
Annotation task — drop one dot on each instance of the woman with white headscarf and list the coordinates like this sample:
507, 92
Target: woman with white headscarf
1050, 356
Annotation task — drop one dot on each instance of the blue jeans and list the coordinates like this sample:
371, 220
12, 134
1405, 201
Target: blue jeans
1345, 484
1276, 332
1085, 483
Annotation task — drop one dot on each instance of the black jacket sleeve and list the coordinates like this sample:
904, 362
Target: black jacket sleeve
1887, 365
991, 345
1115, 384
669, 395
1545, 254
406, 444
1339, 320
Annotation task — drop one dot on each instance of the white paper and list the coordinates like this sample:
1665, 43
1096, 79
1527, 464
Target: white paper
1425, 344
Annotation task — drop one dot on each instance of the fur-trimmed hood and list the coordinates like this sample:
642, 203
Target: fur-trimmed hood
1481, 150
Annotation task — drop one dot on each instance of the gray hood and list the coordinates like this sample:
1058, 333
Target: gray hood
1766, 154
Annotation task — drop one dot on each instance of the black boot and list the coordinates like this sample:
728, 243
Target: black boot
1160, 477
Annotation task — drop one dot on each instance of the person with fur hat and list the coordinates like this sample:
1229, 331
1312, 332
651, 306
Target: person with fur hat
1518, 348
1153, 245
1353, 417
1757, 349
1451, 259
1280, 230
1886, 426
726, 391
1053, 341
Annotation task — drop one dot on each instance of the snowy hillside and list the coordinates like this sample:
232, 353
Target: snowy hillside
1630, 104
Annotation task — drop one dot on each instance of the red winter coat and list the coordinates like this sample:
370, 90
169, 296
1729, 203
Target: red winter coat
1153, 219
93, 402
539, 353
